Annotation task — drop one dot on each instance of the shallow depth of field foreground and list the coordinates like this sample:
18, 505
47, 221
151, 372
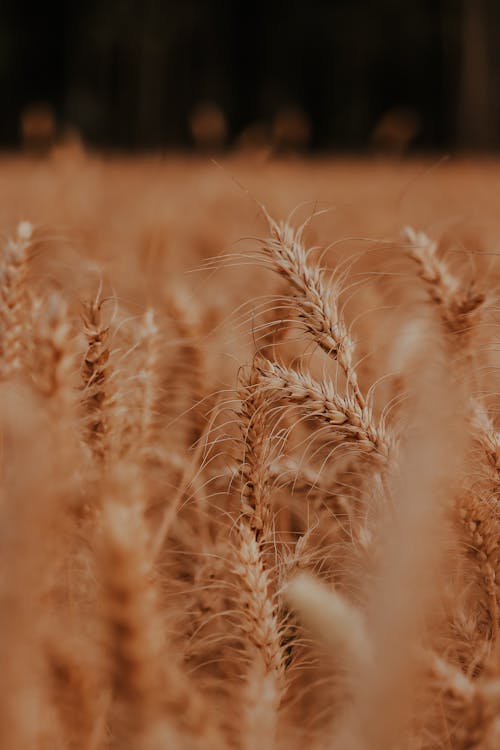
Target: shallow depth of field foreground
250, 454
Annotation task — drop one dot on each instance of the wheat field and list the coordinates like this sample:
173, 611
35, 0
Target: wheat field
250, 454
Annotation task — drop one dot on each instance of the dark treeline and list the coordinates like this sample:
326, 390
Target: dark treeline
131, 73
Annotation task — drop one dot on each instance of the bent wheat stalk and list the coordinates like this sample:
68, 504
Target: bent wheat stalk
349, 422
315, 297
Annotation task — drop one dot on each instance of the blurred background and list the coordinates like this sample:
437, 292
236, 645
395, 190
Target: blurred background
340, 75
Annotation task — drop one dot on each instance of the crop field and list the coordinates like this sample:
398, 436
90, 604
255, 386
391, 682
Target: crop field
250, 453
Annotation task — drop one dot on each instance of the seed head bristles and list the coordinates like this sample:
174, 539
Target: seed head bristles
459, 306
349, 421
265, 680
301, 479
95, 377
272, 331
315, 297
13, 300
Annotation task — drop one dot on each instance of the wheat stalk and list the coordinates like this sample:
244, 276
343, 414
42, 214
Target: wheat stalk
95, 379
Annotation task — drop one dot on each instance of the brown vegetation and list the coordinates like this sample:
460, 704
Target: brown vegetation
249, 488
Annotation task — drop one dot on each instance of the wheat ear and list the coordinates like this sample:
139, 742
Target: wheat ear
13, 299
265, 678
478, 510
149, 381
154, 704
52, 355
95, 377
473, 706
459, 305
482, 529
337, 624
315, 297
257, 454
349, 422
488, 438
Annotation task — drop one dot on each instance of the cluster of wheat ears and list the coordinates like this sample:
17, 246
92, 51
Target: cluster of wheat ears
309, 559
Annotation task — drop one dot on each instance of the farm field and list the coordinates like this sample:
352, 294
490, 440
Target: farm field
250, 453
